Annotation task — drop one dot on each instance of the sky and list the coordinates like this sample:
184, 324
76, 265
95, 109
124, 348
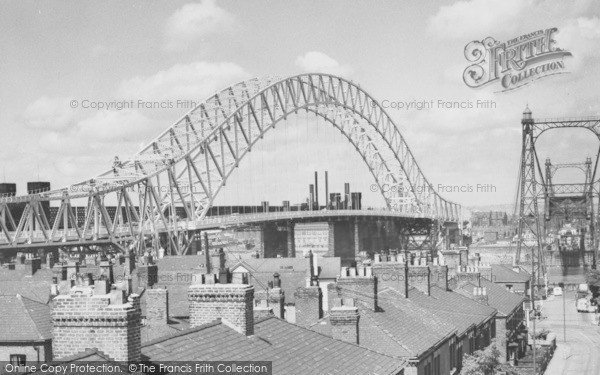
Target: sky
61, 60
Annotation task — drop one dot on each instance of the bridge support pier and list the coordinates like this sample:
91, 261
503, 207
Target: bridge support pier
291, 244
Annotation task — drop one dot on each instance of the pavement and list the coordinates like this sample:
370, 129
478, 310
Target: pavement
578, 355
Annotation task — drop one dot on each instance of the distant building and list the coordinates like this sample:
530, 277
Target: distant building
311, 237
489, 218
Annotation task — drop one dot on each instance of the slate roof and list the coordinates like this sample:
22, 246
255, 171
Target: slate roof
92, 355
35, 287
415, 329
454, 308
30, 320
498, 297
502, 273
399, 328
291, 348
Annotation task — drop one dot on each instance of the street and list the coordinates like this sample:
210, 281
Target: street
579, 354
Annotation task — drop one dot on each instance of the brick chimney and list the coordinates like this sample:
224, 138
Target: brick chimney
157, 307
357, 283
480, 295
420, 278
129, 263
31, 266
88, 318
72, 270
464, 256
309, 304
147, 275
273, 297
106, 270
392, 274
218, 261
466, 275
439, 276
49, 260
211, 299
310, 272
343, 318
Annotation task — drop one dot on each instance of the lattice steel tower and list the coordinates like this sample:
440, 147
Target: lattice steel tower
565, 200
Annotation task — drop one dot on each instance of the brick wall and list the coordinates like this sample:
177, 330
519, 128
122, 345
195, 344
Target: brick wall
85, 320
43, 352
231, 302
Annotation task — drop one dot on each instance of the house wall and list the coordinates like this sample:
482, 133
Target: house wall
28, 349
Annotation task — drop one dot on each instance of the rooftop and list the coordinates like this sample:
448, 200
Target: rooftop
30, 320
498, 297
454, 308
400, 327
503, 273
291, 348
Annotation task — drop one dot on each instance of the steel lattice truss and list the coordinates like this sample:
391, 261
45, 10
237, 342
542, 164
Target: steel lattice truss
189, 163
532, 188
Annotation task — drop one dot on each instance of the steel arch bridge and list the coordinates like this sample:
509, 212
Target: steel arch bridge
189, 163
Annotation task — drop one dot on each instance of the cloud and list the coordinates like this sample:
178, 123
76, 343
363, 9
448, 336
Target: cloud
195, 81
581, 37
477, 19
49, 113
120, 126
192, 22
318, 62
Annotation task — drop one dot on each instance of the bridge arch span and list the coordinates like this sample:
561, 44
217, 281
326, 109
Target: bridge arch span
189, 163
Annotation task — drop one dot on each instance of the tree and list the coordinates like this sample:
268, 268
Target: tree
486, 362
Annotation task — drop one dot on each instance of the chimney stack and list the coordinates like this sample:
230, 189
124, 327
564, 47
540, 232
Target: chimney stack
212, 299
32, 265
326, 190
273, 297
207, 254
357, 283
464, 256
157, 307
309, 304
49, 260
480, 295
317, 190
85, 319
311, 277
346, 195
344, 318
147, 275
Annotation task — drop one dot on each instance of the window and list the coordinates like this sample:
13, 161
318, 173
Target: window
17, 359
436, 365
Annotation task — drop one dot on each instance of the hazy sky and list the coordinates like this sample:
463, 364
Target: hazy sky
55, 52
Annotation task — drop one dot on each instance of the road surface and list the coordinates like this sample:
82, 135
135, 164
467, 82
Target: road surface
579, 355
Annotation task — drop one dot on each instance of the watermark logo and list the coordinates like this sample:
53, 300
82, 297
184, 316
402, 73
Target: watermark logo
516, 62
